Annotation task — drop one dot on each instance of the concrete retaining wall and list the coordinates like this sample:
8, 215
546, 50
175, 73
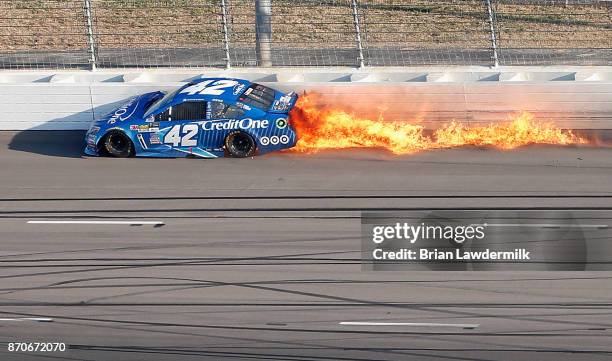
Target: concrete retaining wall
579, 98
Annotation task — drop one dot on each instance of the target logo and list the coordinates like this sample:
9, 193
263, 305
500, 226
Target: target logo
275, 140
281, 123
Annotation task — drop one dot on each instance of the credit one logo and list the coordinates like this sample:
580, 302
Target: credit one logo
246, 123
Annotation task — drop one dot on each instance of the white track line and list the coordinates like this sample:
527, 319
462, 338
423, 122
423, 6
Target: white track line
155, 223
411, 324
35, 319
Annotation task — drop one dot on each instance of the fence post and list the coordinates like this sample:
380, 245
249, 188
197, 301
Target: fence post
263, 32
357, 33
228, 62
493, 35
90, 35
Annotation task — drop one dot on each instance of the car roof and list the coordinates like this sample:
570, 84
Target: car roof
228, 93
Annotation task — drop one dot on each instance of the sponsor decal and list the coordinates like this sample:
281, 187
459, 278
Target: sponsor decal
119, 114
150, 119
246, 123
94, 130
154, 139
243, 106
281, 123
91, 140
274, 140
238, 88
145, 128
282, 103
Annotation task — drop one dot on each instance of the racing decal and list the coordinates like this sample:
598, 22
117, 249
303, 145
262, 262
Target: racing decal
142, 141
191, 131
246, 123
91, 140
209, 87
154, 139
237, 89
183, 135
243, 106
281, 123
145, 128
119, 114
275, 140
282, 103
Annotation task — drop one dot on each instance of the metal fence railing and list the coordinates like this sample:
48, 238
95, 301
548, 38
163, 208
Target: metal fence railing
554, 32
133, 33
55, 34
42, 34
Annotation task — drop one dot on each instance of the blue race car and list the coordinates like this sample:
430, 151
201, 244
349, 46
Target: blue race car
208, 117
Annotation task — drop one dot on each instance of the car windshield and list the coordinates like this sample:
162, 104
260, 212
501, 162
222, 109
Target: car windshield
166, 98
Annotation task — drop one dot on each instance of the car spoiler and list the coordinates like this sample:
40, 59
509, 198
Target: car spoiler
285, 103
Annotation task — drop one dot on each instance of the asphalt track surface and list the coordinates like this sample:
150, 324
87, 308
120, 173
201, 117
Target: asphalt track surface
258, 259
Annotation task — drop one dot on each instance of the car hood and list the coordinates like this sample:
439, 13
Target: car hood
133, 109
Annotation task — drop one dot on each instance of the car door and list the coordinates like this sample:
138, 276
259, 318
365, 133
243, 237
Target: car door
212, 138
179, 125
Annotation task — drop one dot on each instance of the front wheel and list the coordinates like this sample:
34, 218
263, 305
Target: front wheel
117, 144
240, 145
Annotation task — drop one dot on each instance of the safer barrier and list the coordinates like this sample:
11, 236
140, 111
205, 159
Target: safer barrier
576, 98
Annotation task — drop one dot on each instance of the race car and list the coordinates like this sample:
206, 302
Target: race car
208, 118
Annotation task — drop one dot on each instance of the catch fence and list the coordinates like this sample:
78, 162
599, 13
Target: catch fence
68, 34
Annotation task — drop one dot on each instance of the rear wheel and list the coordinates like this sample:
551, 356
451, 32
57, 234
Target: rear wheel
117, 144
240, 145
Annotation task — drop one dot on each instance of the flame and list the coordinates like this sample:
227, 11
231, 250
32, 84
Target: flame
327, 127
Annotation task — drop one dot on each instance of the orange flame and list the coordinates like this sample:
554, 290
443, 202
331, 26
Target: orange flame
327, 127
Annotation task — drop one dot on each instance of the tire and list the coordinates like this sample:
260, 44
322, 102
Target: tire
118, 145
240, 145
